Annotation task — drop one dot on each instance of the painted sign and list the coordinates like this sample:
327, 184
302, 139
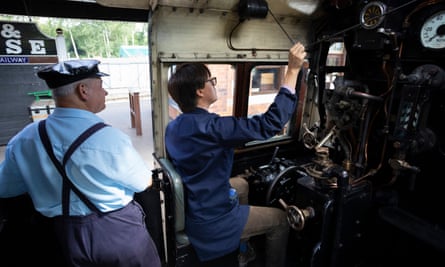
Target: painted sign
23, 43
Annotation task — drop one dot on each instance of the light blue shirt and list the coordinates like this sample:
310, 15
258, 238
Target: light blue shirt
106, 167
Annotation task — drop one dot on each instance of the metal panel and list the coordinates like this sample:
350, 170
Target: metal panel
202, 34
17, 82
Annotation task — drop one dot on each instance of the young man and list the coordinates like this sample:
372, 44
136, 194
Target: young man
201, 146
96, 219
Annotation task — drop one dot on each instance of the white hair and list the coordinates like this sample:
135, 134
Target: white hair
65, 90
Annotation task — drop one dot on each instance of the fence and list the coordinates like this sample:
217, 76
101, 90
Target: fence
126, 75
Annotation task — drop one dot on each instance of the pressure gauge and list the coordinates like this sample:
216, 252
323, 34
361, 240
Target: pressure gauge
432, 33
372, 15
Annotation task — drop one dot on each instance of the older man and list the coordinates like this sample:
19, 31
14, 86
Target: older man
87, 184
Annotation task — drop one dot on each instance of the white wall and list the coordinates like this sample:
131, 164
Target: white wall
126, 74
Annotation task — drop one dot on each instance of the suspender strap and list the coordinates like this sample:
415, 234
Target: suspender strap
88, 132
67, 184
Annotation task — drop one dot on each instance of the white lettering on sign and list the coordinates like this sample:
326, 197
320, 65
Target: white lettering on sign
13, 46
14, 43
14, 60
9, 32
37, 47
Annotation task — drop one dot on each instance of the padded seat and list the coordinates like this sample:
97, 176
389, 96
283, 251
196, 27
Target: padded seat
179, 207
186, 255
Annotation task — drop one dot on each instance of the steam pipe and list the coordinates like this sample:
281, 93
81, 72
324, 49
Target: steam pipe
342, 184
352, 93
356, 94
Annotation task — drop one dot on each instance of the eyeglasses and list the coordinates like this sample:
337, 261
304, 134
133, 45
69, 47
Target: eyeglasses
212, 81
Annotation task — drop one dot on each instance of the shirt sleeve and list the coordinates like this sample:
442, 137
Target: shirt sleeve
11, 183
233, 131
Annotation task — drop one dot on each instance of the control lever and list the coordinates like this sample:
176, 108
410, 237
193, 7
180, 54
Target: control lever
274, 155
297, 217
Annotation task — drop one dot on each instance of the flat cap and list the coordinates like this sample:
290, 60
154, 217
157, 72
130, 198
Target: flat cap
69, 71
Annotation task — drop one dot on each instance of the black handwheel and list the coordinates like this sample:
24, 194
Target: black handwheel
283, 186
297, 217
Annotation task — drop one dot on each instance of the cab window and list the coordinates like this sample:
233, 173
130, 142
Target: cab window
224, 89
335, 63
265, 82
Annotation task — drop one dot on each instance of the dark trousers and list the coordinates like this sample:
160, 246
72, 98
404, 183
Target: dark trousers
115, 239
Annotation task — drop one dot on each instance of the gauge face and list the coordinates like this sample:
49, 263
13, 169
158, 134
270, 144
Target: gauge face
372, 15
432, 33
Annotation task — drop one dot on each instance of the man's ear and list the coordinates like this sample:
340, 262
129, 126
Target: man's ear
82, 91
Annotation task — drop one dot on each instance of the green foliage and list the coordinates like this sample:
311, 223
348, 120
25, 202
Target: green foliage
90, 38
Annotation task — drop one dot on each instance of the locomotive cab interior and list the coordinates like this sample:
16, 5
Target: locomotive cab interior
358, 167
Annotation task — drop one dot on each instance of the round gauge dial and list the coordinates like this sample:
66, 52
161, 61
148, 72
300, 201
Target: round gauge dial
432, 33
372, 15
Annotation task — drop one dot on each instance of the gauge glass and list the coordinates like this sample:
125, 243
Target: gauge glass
372, 15
432, 33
